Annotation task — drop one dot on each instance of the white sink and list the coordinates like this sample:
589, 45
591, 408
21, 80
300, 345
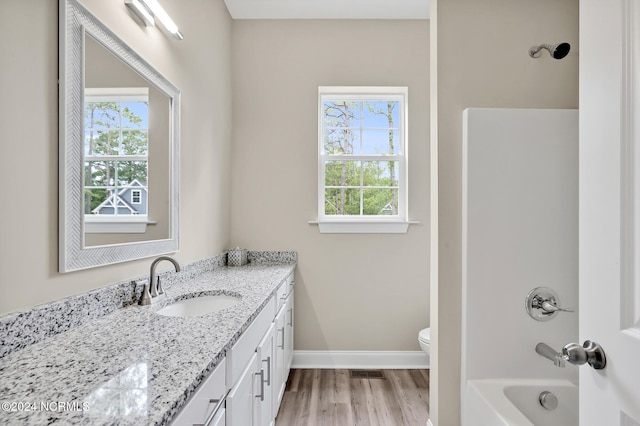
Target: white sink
200, 305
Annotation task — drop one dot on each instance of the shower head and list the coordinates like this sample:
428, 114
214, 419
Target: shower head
558, 51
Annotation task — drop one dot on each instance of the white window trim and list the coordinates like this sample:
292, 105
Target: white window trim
378, 224
124, 224
116, 94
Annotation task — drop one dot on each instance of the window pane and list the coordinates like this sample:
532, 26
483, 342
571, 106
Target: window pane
380, 202
380, 142
341, 141
343, 201
129, 171
99, 173
341, 113
102, 115
379, 173
93, 197
135, 115
135, 142
101, 142
380, 114
342, 173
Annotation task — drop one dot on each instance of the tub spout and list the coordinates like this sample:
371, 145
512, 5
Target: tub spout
548, 352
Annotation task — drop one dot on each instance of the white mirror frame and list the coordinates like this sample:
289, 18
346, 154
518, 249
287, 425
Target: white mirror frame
75, 22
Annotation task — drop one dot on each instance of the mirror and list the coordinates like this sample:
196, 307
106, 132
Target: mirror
119, 139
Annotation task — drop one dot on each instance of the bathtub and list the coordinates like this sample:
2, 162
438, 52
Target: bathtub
515, 402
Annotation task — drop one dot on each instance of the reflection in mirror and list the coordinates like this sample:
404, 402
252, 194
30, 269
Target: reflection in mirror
126, 138
119, 135
116, 146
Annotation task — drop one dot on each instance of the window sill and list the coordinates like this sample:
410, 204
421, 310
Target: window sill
364, 227
96, 225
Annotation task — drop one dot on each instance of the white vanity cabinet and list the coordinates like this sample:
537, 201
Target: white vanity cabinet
288, 336
283, 342
279, 379
241, 404
248, 371
264, 353
249, 402
254, 373
207, 405
273, 355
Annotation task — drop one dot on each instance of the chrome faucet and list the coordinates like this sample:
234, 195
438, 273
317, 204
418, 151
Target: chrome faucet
548, 352
154, 288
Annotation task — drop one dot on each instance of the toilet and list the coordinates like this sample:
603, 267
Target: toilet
424, 338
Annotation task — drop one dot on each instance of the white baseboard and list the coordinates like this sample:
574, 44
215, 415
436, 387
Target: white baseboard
360, 359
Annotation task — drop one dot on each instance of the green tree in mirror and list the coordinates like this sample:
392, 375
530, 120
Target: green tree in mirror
116, 157
364, 129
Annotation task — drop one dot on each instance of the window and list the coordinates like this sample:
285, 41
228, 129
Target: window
362, 159
116, 149
136, 196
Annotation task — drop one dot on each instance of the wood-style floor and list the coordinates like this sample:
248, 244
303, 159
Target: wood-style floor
333, 398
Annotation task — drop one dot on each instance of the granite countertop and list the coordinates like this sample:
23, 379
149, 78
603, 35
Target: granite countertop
133, 366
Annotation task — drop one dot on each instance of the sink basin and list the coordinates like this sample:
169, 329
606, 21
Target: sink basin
200, 305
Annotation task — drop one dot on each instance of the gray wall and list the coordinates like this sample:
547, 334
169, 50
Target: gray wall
199, 65
353, 292
482, 61
353, 289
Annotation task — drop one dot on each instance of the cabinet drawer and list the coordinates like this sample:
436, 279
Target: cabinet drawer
245, 347
204, 400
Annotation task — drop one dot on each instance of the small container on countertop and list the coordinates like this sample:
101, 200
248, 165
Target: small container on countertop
237, 257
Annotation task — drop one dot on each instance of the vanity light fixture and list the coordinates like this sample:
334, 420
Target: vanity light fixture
141, 12
147, 10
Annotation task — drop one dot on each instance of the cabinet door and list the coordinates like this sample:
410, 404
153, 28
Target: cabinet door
240, 402
265, 360
288, 342
278, 359
245, 347
220, 418
205, 399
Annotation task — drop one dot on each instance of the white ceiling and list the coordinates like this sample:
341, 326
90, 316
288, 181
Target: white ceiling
328, 9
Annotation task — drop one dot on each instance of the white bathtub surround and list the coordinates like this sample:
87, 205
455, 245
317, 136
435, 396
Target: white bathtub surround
134, 366
514, 402
520, 231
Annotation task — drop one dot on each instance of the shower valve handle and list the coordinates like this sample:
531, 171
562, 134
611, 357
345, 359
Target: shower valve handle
542, 304
589, 353
549, 307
